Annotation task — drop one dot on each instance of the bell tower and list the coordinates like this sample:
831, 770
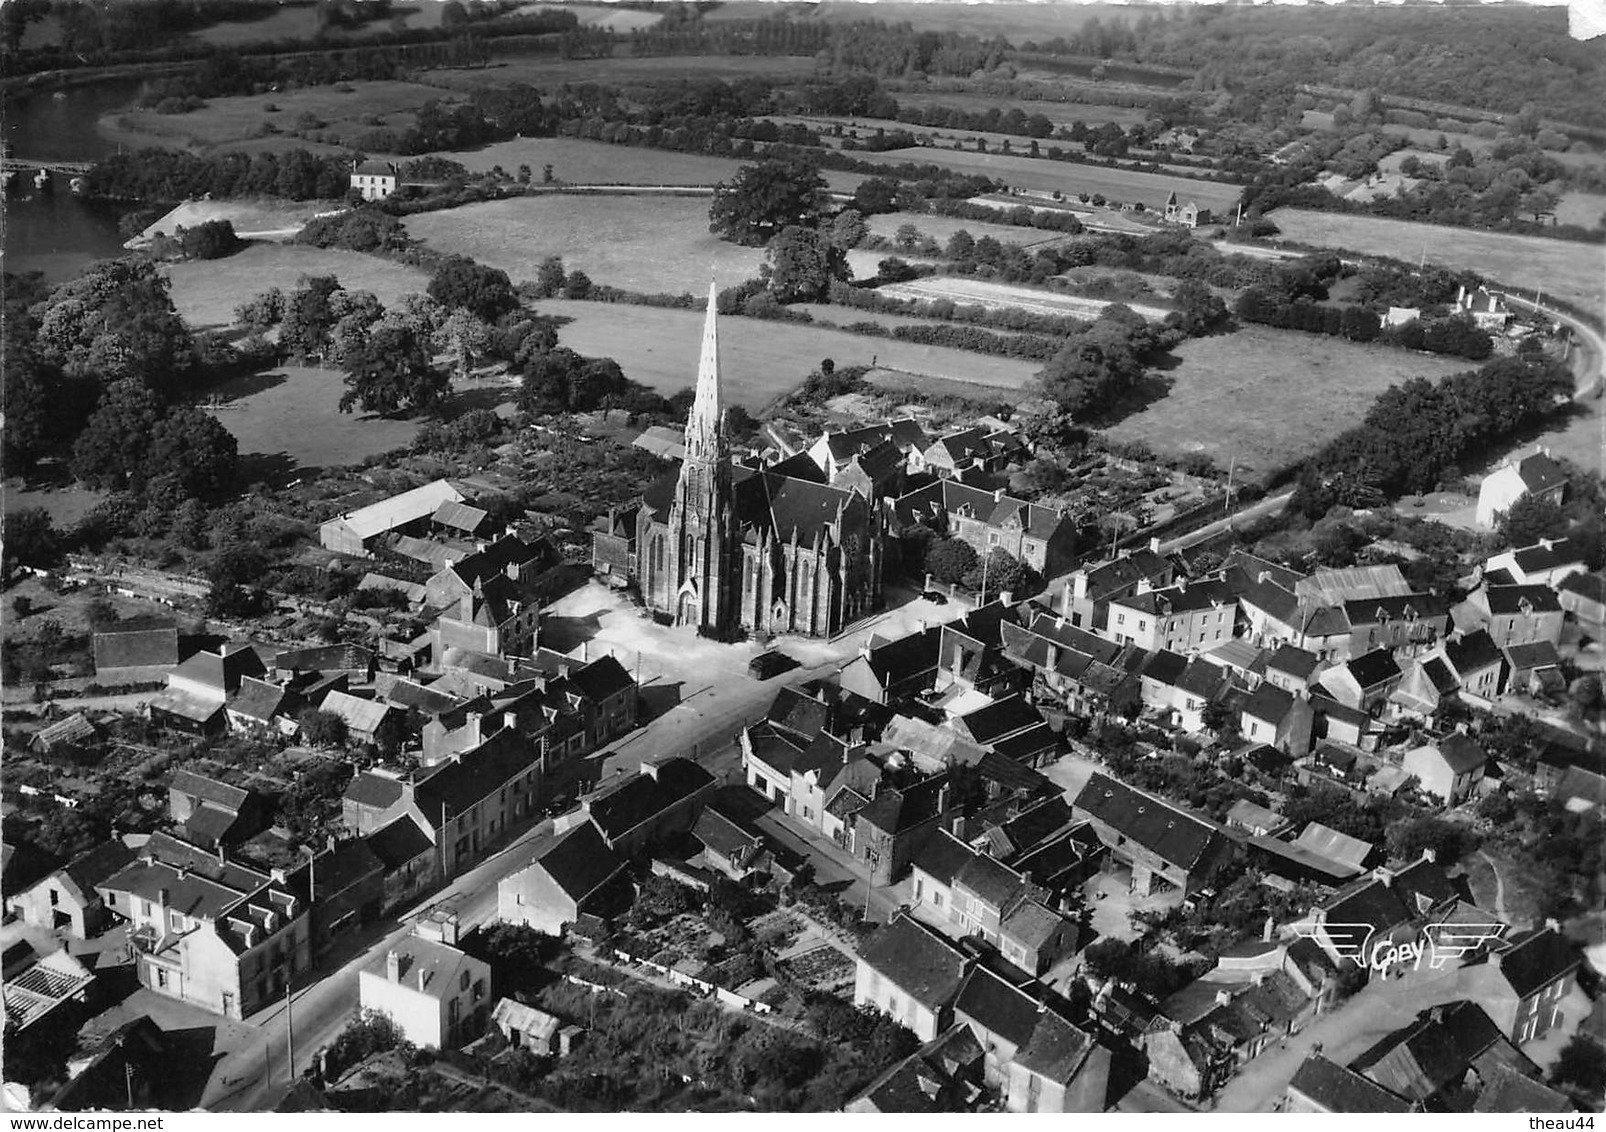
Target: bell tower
702, 526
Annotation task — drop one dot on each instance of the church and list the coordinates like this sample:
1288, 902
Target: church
724, 546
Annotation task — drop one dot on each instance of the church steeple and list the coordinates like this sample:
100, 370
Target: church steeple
705, 428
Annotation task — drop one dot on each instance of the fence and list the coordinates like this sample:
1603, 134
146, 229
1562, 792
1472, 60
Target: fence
702, 986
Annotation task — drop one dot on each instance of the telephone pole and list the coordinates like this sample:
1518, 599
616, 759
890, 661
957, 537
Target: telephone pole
289, 1033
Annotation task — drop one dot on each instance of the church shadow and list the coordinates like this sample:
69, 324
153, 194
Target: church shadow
659, 699
565, 634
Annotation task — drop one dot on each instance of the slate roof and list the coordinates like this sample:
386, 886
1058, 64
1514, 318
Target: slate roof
601, 679
474, 775
1438, 1048
1338, 1089
1540, 556
1017, 777
906, 657
998, 1007
916, 960
1168, 831
1000, 718
138, 643
1056, 1050
1592, 586
645, 797
1182, 598
1270, 703
351, 862
942, 856
1536, 654
1536, 960
1374, 668
398, 842
581, 863
256, 699
1038, 823
1511, 1091
1461, 753
1509, 601
1032, 924
373, 167
1539, 472
429, 701
89, 869
208, 789
427, 967
721, 834
1472, 652
1366, 901
897, 811
1398, 607
375, 790
991, 881
208, 825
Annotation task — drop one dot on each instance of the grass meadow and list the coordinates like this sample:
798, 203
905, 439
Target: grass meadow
758, 360
614, 17
1585, 209
1558, 267
207, 291
1068, 177
1264, 397
293, 412
548, 70
641, 243
580, 162
1017, 22
940, 228
1060, 113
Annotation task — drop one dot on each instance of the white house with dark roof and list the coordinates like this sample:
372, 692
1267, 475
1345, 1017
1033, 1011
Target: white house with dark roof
374, 180
911, 974
1449, 769
1535, 474
1476, 663
1364, 682
66, 900
1320, 1085
1513, 615
436, 993
1157, 840
1547, 562
407, 513
554, 889
1522, 986
1278, 719
1189, 617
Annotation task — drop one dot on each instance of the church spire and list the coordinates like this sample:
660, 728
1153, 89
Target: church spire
706, 425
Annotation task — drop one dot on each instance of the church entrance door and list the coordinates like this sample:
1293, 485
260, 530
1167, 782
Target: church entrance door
688, 614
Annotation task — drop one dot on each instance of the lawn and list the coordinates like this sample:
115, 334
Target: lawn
261, 218
580, 162
614, 17
547, 70
758, 360
206, 292
1558, 267
294, 412
1068, 177
641, 243
1585, 209
346, 108
999, 296
1263, 398
1016, 22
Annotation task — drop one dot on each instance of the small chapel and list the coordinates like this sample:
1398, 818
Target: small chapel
724, 545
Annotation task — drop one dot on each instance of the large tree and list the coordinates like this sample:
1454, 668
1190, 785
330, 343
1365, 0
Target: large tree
761, 199
116, 321
391, 373
484, 291
802, 263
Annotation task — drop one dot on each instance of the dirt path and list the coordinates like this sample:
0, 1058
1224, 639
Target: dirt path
1499, 888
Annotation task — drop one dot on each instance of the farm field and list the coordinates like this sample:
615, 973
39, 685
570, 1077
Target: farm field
641, 243
294, 411
301, 23
580, 162
981, 292
1017, 22
1559, 267
758, 360
940, 228
1264, 398
1068, 177
262, 218
1060, 113
223, 121
1585, 209
548, 70
207, 291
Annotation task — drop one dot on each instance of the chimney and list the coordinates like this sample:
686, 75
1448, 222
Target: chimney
164, 897
1154, 544
942, 798
1430, 855
924, 625
183, 872
220, 859
959, 825
998, 495
1223, 998
1182, 585
1552, 925
423, 978
393, 966
1269, 930
329, 844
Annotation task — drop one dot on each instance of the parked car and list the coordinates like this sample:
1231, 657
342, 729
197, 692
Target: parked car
771, 663
935, 597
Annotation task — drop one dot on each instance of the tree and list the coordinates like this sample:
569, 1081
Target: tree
1531, 518
950, 559
1203, 311
1582, 1065
577, 285
191, 454
1218, 717
110, 452
802, 263
876, 195
370, 1032
1446, 840
762, 199
323, 728
309, 317
1004, 573
262, 313
392, 374
28, 539
464, 337
484, 291
549, 277
848, 229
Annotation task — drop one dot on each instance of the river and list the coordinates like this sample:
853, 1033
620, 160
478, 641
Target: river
54, 231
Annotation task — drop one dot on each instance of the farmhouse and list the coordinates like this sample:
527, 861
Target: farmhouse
552, 891
911, 974
1512, 615
1187, 214
437, 994
374, 180
1487, 310
409, 513
1522, 987
66, 900
1536, 474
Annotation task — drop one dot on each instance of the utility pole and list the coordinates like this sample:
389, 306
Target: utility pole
289, 1033
128, 1082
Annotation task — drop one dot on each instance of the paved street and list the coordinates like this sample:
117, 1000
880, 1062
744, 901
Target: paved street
703, 694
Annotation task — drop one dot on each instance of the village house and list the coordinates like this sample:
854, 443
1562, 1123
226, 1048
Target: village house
970, 655
438, 995
834, 451
1163, 845
1044, 538
911, 974
1014, 728
1036, 1058
557, 887
1320, 1085
1382, 908
943, 1075
67, 899
1364, 682
374, 180
264, 708
1486, 308
1073, 669
209, 931
889, 830
1278, 719
1177, 690
210, 813
1292, 669
1521, 986
1402, 622
1512, 615
1187, 618
662, 798
365, 719
1534, 668
1517, 478
1549, 562
1449, 769
408, 859
887, 671
1477, 665
1087, 593
1583, 596
876, 473
1426, 686
197, 690
1441, 1056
